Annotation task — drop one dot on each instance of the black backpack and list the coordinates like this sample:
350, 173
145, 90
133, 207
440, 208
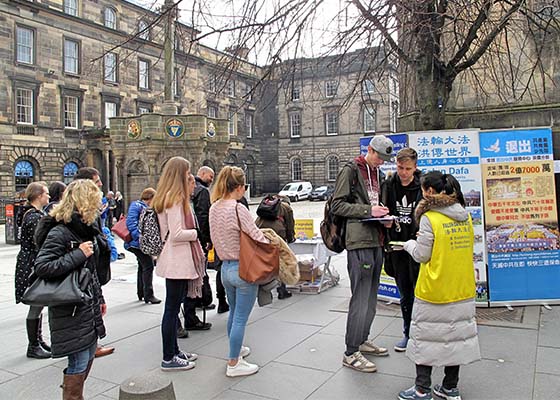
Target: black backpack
269, 207
333, 227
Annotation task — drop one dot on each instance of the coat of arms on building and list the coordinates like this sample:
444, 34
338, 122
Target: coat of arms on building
211, 130
174, 127
134, 129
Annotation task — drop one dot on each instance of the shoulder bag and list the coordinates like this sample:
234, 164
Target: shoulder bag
70, 289
259, 262
121, 230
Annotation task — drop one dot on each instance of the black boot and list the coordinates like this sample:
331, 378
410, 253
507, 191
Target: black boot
34, 349
43, 344
147, 278
283, 293
223, 306
139, 285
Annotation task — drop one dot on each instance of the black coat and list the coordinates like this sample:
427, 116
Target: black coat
28, 251
201, 205
73, 327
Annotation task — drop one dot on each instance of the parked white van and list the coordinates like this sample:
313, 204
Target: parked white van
296, 191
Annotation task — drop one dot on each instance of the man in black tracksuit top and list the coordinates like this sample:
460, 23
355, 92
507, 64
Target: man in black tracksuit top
401, 194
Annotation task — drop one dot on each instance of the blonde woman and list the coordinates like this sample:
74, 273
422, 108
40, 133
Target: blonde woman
37, 195
181, 261
74, 242
227, 220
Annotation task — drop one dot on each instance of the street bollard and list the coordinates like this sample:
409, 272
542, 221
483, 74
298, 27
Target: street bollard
147, 387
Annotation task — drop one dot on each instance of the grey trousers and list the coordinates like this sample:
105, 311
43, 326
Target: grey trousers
364, 269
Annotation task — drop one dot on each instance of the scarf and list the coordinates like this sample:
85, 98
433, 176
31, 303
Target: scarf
194, 286
434, 201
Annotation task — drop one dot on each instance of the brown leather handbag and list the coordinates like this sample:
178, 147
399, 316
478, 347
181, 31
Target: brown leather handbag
259, 263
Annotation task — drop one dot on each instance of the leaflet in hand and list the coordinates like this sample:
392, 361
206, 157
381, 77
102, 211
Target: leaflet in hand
396, 245
386, 218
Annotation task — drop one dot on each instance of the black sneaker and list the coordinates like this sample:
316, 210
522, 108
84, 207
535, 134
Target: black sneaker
199, 326
448, 394
182, 333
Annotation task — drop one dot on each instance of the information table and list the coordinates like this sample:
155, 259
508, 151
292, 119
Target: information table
321, 259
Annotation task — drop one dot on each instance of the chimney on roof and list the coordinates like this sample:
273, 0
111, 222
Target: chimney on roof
238, 51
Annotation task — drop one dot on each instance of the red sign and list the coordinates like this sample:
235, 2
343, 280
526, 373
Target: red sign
9, 210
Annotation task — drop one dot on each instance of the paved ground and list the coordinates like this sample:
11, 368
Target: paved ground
297, 342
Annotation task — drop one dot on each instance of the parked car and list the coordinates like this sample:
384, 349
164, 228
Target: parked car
321, 193
296, 191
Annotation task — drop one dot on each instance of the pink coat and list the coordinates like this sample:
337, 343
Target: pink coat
176, 259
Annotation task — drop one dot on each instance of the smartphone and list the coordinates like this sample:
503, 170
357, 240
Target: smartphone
74, 245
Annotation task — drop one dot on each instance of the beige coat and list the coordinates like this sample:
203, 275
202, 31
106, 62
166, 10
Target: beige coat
176, 259
289, 271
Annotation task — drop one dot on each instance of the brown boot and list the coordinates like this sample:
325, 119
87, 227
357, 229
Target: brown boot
73, 386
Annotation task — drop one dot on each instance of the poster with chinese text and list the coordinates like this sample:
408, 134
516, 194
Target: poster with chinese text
521, 218
457, 152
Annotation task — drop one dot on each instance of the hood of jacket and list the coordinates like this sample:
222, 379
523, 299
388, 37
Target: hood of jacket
445, 204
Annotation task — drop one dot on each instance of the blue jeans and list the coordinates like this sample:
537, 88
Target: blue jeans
78, 362
175, 290
241, 296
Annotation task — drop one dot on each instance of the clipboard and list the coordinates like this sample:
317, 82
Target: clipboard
379, 219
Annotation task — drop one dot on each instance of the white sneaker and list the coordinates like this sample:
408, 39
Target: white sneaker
245, 351
242, 368
368, 347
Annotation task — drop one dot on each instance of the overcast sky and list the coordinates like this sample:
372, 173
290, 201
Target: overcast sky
208, 14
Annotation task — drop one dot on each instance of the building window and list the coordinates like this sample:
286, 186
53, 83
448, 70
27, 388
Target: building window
331, 88
331, 119
144, 108
248, 92
143, 74
249, 125
71, 56
212, 111
231, 123
23, 172
25, 106
212, 84
296, 92
71, 7
110, 111
369, 119
295, 166
143, 30
332, 168
25, 45
71, 111
231, 88
368, 86
394, 115
110, 67
70, 169
176, 83
110, 19
295, 125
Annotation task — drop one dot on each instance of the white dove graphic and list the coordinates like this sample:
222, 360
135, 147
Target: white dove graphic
495, 147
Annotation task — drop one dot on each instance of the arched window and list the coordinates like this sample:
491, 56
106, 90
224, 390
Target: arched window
332, 168
23, 173
295, 166
70, 169
143, 30
110, 19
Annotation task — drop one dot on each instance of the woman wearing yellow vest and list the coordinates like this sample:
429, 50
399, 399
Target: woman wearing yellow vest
443, 329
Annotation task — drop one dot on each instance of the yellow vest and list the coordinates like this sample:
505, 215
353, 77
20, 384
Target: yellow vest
449, 275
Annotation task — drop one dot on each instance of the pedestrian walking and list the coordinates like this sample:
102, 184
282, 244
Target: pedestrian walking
227, 220
74, 243
401, 193
37, 195
181, 261
356, 197
145, 273
443, 330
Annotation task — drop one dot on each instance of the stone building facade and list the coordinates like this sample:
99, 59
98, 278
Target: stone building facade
63, 79
74, 73
325, 105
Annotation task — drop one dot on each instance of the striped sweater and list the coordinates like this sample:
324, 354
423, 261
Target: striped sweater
224, 228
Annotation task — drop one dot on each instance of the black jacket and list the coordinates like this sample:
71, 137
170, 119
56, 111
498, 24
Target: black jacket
201, 203
74, 327
28, 251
